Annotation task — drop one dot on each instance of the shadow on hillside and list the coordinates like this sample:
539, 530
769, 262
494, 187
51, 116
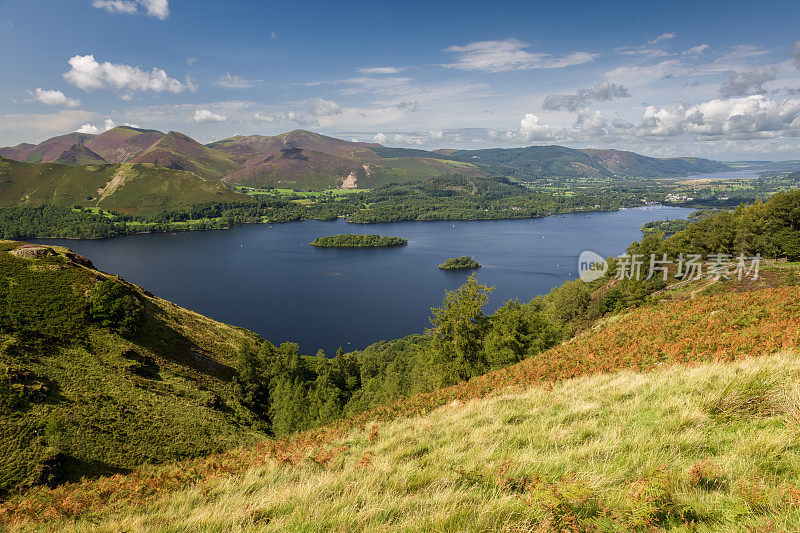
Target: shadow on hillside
158, 337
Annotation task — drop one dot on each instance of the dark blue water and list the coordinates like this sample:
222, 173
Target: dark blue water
272, 282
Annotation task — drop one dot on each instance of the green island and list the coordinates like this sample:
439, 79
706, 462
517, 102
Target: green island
352, 240
464, 262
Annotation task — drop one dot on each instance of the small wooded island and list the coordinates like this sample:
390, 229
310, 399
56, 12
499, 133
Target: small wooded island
460, 263
351, 240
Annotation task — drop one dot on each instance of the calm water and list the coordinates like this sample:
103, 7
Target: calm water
272, 282
733, 174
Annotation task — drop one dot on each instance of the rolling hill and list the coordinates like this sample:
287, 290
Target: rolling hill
125, 188
306, 160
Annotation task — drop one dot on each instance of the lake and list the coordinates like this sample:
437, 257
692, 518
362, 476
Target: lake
271, 281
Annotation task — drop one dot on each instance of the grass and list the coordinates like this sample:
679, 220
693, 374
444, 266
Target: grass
616, 452
567, 437
97, 402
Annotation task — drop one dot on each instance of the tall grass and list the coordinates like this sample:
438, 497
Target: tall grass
611, 452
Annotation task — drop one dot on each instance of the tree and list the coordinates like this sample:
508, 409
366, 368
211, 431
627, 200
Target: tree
458, 330
116, 307
517, 332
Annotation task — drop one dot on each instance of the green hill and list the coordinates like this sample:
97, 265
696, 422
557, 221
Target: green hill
98, 376
125, 188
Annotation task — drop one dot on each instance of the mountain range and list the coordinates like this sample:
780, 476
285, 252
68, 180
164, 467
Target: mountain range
306, 160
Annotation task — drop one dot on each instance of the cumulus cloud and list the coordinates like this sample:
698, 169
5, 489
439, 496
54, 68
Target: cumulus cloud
235, 82
751, 117
604, 91
747, 83
204, 116
152, 8
795, 54
380, 70
662, 37
88, 74
379, 138
696, 50
88, 128
507, 55
319, 107
53, 97
530, 129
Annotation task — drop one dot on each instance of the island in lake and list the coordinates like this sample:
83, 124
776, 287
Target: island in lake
351, 240
464, 262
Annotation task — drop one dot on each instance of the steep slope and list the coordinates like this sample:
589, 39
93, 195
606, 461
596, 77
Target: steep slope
98, 376
125, 188
123, 143
48, 151
180, 152
78, 155
712, 444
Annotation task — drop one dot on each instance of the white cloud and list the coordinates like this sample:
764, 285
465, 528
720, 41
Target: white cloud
605, 91
323, 108
128, 7
696, 50
747, 83
530, 129
260, 117
235, 82
662, 37
436, 134
380, 70
53, 97
752, 117
204, 116
379, 138
87, 74
88, 128
152, 8
507, 55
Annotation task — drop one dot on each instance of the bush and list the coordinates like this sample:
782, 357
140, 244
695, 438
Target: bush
116, 307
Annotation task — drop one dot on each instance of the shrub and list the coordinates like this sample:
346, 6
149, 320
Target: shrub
116, 307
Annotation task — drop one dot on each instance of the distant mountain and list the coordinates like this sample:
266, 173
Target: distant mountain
310, 160
622, 163
307, 160
121, 144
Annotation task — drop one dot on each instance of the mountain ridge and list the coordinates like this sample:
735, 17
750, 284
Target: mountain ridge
305, 159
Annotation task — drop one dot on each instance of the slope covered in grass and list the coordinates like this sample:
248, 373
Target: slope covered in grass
612, 452
126, 188
98, 376
525, 450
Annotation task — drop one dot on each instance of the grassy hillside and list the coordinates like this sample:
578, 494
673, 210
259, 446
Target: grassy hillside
180, 152
98, 376
574, 439
125, 188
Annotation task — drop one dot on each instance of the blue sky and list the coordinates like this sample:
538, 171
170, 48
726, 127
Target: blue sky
714, 79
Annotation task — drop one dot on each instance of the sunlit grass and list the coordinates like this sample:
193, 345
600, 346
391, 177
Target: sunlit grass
619, 452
